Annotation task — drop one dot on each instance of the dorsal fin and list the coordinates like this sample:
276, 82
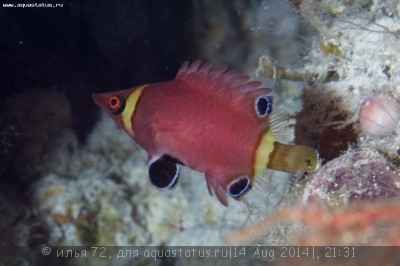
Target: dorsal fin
220, 79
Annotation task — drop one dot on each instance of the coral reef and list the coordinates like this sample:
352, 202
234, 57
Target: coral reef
350, 113
346, 93
352, 177
347, 66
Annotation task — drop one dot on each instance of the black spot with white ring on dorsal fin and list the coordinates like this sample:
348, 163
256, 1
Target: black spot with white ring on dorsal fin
164, 171
239, 187
263, 105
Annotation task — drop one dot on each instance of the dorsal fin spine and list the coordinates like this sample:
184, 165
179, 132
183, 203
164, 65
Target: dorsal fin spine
218, 71
183, 68
205, 68
194, 66
220, 79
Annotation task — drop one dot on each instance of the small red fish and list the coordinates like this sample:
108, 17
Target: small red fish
213, 121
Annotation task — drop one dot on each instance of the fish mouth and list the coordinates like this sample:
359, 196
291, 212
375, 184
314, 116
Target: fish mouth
100, 99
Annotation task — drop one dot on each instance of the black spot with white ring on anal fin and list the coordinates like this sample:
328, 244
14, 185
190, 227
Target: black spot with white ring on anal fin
164, 172
172, 159
263, 105
239, 187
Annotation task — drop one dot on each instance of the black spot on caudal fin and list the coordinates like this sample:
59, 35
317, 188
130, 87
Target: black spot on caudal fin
164, 171
263, 105
239, 187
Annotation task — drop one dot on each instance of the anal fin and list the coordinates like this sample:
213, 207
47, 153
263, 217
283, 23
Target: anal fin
214, 187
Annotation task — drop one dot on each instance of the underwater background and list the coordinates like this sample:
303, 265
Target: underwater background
70, 177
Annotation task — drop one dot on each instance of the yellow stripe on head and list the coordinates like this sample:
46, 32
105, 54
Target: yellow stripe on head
265, 148
130, 108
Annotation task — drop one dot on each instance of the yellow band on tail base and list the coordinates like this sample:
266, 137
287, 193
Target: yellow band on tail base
263, 152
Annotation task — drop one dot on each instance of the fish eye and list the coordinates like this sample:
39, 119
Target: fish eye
239, 187
116, 104
263, 105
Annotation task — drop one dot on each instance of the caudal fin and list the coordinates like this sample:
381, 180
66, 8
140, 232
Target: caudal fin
293, 158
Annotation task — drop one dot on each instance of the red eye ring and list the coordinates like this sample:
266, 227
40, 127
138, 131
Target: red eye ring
116, 104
